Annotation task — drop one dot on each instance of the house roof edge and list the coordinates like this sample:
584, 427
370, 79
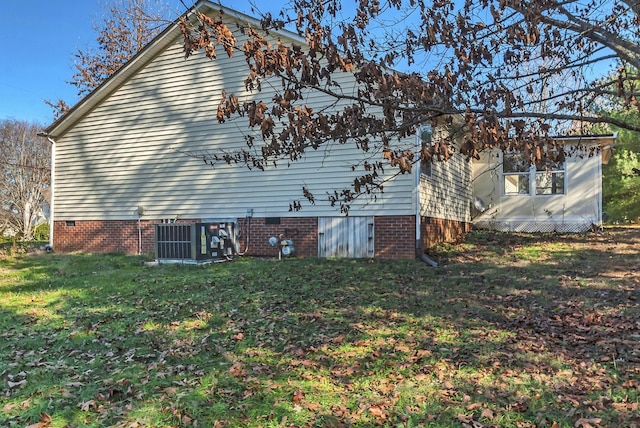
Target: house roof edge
154, 47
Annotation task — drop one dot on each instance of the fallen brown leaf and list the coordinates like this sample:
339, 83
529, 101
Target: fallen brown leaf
487, 413
237, 370
45, 420
87, 405
338, 339
8, 408
298, 396
473, 406
378, 412
314, 407
587, 423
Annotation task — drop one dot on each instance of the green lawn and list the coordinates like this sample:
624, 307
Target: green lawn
510, 331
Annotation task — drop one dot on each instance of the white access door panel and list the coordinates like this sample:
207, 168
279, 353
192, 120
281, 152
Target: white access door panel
345, 237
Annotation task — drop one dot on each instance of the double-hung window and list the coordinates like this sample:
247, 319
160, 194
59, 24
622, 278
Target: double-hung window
519, 177
516, 173
549, 177
426, 136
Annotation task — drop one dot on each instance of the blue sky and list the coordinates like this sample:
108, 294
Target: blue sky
39, 40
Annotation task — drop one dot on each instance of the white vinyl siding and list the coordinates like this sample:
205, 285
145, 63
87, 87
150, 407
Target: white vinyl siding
573, 208
129, 151
447, 193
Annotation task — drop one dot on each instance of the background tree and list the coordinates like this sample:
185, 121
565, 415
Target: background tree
621, 176
25, 177
516, 72
127, 26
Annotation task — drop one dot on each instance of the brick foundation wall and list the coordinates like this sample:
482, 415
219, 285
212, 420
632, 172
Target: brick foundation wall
437, 230
302, 230
96, 236
395, 237
121, 236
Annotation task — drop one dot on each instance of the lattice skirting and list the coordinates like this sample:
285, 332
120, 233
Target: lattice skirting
528, 226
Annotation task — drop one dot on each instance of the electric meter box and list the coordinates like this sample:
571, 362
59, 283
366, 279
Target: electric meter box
215, 240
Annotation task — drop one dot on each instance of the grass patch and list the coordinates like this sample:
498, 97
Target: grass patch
510, 331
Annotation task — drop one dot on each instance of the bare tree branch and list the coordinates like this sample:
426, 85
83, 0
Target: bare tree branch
128, 25
25, 177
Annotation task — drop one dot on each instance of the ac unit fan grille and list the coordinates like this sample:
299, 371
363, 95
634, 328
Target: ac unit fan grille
174, 240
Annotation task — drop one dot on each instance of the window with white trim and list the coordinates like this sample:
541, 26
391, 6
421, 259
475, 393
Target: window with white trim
516, 169
426, 135
550, 177
519, 177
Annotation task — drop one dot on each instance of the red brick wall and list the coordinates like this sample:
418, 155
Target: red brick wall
436, 230
302, 230
395, 237
121, 236
95, 236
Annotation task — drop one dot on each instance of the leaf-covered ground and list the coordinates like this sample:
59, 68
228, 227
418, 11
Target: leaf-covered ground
509, 331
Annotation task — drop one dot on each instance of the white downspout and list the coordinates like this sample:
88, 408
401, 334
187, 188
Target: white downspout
599, 221
419, 250
51, 188
417, 190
